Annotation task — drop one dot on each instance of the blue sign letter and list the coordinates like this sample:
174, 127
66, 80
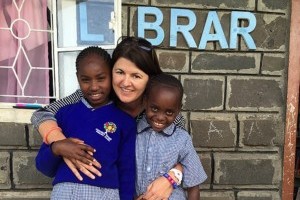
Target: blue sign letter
143, 25
212, 19
243, 31
184, 29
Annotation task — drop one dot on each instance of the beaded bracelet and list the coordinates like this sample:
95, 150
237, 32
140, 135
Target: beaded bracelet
170, 179
48, 133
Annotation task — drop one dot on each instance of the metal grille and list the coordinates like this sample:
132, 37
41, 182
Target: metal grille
21, 29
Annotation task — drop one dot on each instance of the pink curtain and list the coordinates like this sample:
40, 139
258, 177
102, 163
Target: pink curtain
23, 48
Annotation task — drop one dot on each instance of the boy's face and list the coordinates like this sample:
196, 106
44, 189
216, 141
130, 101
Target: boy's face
162, 107
94, 78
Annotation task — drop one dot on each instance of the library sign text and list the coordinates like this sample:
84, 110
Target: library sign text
212, 23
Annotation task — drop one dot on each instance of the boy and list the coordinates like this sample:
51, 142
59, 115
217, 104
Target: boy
160, 145
97, 121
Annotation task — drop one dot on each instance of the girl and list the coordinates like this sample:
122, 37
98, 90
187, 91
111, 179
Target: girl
98, 121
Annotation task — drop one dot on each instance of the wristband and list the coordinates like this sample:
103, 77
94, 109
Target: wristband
173, 183
48, 133
177, 174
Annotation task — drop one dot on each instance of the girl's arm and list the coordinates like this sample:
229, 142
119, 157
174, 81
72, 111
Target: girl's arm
44, 121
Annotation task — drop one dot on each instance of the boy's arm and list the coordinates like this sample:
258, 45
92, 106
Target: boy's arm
193, 193
126, 161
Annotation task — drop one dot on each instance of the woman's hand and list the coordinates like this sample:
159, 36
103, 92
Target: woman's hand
160, 188
88, 170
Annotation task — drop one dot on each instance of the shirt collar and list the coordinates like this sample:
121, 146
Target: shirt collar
144, 125
86, 103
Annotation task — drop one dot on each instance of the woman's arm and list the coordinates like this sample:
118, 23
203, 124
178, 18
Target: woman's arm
49, 111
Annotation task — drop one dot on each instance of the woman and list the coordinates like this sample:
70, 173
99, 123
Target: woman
134, 62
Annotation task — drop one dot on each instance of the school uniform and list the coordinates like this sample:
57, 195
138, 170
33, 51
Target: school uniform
157, 153
112, 133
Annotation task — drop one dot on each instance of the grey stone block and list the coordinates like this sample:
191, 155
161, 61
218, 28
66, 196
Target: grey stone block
251, 169
203, 92
273, 64
221, 195
278, 6
25, 174
35, 139
212, 130
246, 63
27, 195
206, 163
5, 182
254, 94
258, 195
16, 132
260, 130
173, 61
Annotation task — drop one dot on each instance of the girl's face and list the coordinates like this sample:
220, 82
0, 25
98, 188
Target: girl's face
94, 78
129, 82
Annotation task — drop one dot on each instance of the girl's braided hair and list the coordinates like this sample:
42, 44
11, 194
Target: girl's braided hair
93, 50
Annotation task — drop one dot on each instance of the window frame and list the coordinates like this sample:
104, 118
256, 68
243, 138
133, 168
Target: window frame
56, 50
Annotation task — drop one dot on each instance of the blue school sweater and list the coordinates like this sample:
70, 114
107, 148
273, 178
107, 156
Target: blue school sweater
111, 132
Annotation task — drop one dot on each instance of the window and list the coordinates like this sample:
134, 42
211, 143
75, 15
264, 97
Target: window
44, 38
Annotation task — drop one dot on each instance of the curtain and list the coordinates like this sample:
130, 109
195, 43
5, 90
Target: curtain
24, 63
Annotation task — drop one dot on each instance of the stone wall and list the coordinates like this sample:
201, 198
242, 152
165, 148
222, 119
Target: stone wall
234, 104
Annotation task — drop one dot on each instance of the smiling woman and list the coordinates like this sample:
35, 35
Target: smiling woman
134, 61
129, 82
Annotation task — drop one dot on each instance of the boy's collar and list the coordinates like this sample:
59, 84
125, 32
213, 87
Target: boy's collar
143, 125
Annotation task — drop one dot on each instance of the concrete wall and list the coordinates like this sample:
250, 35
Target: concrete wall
234, 105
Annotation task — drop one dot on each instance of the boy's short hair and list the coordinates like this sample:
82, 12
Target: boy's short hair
165, 80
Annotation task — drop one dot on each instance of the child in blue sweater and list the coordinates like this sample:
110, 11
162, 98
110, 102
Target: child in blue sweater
98, 122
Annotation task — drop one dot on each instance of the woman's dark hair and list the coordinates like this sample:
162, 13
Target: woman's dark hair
93, 50
140, 52
164, 80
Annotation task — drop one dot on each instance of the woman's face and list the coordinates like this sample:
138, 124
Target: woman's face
129, 82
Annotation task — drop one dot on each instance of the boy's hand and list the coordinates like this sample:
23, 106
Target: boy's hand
194, 193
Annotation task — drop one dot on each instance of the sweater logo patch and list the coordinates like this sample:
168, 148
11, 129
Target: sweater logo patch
109, 127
